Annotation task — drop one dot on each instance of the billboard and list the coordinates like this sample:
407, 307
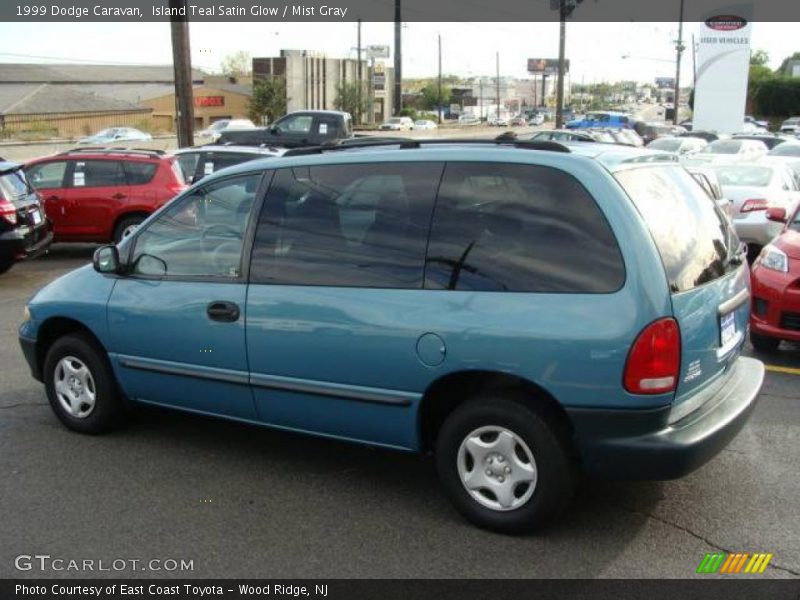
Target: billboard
375, 51
665, 83
548, 66
723, 63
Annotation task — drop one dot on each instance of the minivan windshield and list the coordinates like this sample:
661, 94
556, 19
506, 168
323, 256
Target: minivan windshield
722, 147
692, 235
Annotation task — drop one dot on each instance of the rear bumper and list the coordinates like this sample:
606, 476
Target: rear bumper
754, 228
639, 444
26, 242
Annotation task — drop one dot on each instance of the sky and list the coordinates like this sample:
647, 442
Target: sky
596, 50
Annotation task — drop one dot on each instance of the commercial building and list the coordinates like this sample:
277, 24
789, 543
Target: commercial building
69, 100
313, 79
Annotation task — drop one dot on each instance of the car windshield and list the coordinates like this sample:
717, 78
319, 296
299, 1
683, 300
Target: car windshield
665, 145
395, 120
217, 125
786, 149
744, 176
722, 147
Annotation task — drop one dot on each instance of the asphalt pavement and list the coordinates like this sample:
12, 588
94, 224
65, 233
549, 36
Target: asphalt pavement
244, 501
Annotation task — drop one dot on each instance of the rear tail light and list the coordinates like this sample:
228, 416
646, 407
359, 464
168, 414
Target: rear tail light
654, 360
754, 204
8, 211
176, 188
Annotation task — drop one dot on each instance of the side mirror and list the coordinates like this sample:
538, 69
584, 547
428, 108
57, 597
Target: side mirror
777, 214
106, 259
275, 130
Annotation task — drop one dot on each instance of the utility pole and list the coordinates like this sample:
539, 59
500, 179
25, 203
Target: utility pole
360, 83
678, 51
398, 60
480, 83
497, 89
439, 102
182, 68
562, 18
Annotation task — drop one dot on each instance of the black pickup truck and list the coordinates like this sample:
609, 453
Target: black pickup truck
295, 130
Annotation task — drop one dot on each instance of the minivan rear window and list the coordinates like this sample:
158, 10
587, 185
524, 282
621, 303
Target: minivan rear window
691, 234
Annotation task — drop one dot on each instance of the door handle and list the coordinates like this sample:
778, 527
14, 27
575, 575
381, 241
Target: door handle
118, 196
223, 311
51, 198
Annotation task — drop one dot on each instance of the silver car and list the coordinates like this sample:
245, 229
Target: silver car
752, 188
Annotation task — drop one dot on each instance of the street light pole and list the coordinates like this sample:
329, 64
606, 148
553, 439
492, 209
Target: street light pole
439, 96
678, 51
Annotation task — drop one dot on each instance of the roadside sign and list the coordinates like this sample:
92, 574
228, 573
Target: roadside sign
548, 66
375, 51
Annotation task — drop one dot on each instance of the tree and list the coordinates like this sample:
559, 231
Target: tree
268, 101
430, 96
759, 58
784, 65
238, 64
350, 98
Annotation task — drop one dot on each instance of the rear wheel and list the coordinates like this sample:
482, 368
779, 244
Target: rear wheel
80, 385
126, 227
504, 466
764, 343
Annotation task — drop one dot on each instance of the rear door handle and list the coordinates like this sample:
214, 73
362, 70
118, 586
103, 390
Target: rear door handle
118, 196
223, 311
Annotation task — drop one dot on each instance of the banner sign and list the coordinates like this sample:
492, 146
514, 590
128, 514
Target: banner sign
723, 63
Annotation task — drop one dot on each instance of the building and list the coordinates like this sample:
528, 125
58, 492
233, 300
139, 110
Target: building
312, 81
70, 100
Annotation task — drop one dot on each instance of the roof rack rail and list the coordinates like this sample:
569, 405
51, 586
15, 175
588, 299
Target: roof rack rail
112, 150
404, 144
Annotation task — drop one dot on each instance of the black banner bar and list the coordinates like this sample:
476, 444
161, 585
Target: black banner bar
383, 10
382, 589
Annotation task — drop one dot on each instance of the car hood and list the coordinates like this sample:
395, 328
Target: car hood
789, 242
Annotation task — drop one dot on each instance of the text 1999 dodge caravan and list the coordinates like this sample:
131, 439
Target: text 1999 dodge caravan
521, 310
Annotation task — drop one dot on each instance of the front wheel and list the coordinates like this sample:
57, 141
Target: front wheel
504, 466
80, 385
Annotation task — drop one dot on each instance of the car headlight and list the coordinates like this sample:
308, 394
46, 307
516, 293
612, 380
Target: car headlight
774, 258
26, 313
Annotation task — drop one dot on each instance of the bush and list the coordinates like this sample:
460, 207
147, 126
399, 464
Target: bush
778, 97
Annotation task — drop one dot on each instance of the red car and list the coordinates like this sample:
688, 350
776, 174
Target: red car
95, 195
775, 314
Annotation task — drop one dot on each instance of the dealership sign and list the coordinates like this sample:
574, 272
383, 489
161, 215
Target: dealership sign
723, 63
375, 51
209, 100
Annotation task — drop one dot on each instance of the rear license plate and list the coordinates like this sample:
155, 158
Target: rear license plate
36, 216
727, 329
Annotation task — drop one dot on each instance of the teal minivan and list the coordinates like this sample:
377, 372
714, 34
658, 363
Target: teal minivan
523, 311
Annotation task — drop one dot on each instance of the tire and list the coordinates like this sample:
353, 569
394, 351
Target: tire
550, 471
126, 224
764, 343
90, 403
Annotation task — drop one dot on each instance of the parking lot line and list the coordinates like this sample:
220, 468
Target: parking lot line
777, 369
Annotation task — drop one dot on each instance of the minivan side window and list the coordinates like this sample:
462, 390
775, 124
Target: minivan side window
346, 225
201, 234
520, 228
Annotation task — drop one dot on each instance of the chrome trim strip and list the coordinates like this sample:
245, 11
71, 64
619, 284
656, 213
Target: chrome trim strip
173, 368
334, 390
679, 411
732, 304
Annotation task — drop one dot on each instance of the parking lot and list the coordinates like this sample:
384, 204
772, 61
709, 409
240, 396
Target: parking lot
242, 501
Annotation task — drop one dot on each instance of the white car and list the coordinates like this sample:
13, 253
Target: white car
117, 134
214, 131
496, 121
721, 152
397, 124
468, 120
678, 145
425, 124
537, 119
752, 188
